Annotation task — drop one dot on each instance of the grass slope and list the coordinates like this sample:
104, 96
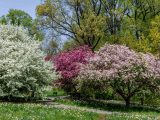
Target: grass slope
133, 113
9, 111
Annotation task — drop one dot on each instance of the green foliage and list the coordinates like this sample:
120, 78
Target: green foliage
51, 91
154, 35
20, 18
90, 89
81, 24
46, 9
141, 45
69, 45
91, 29
146, 43
152, 99
53, 47
95, 22
36, 31
107, 94
3, 20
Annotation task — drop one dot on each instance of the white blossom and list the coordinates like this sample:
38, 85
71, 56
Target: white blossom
23, 70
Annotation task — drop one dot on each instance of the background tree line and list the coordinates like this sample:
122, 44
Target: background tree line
134, 23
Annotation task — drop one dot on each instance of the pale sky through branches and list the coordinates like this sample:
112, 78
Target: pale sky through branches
25, 5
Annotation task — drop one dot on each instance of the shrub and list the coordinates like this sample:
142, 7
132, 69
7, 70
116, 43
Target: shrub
68, 65
126, 71
23, 72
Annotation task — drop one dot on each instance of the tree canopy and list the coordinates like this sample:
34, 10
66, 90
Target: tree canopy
20, 18
126, 71
95, 22
23, 71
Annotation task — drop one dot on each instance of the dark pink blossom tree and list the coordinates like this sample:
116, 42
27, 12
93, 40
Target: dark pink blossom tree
125, 70
68, 65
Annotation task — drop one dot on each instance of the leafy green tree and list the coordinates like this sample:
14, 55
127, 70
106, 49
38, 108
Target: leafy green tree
74, 19
140, 13
21, 18
146, 43
69, 45
18, 17
95, 22
3, 20
154, 35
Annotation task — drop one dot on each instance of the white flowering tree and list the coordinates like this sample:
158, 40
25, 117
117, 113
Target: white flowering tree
126, 71
23, 71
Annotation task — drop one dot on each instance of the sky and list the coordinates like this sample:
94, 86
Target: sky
25, 5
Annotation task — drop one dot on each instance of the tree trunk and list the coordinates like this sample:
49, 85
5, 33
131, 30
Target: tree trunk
142, 101
127, 100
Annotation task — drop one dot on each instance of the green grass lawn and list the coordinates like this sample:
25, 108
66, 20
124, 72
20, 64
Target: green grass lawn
133, 113
10, 111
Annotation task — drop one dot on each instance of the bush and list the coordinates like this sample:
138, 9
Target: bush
125, 71
23, 72
152, 100
68, 65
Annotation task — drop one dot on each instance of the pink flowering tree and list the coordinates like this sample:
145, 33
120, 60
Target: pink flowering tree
68, 65
124, 70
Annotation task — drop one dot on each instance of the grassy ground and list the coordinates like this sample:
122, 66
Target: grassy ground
133, 113
117, 106
10, 111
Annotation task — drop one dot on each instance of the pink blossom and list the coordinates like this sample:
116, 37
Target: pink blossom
68, 63
125, 70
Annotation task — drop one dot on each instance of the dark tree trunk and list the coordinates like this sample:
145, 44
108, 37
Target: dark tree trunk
142, 101
127, 100
137, 35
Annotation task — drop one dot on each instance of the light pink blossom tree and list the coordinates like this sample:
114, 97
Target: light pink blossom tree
126, 71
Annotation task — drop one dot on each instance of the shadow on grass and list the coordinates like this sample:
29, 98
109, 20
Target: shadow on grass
108, 105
